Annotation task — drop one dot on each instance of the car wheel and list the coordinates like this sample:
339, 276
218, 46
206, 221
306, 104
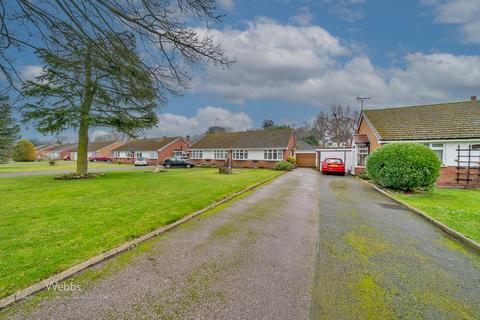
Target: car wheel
168, 166
189, 166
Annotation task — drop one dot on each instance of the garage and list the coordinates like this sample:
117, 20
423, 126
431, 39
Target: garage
306, 155
306, 160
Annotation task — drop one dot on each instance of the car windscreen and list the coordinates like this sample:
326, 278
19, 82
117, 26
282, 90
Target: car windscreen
333, 160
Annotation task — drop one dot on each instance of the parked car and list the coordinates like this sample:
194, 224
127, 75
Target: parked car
95, 159
333, 165
67, 157
140, 161
178, 162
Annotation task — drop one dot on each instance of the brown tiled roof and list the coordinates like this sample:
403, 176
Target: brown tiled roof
278, 138
63, 147
96, 145
303, 146
151, 144
457, 120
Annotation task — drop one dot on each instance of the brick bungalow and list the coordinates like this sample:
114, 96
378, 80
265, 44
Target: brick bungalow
155, 150
249, 149
60, 151
99, 149
451, 130
41, 152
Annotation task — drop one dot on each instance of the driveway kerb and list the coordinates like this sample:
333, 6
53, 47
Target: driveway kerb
457, 235
19, 295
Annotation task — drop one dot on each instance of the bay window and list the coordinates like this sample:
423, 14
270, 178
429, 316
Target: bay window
196, 154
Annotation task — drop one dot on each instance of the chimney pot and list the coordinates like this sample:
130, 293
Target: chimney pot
473, 98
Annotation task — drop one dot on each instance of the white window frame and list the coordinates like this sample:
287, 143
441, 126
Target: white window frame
220, 154
273, 154
196, 154
437, 146
240, 154
362, 154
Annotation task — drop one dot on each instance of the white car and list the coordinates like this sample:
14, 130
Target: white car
140, 162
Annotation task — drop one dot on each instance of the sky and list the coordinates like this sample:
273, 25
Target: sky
295, 58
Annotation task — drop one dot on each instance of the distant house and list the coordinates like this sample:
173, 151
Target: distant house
41, 152
155, 150
60, 151
98, 149
249, 149
451, 130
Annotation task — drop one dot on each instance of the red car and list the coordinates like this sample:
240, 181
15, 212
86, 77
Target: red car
333, 165
95, 159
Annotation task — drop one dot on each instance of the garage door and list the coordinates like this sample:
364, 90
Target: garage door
305, 159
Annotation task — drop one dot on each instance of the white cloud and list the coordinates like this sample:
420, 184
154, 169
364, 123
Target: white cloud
174, 124
463, 13
29, 72
226, 4
303, 18
306, 64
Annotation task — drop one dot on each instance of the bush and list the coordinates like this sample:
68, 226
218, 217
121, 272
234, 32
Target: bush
23, 150
404, 166
292, 160
51, 162
284, 166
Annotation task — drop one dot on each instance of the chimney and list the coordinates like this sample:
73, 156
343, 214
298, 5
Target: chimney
473, 98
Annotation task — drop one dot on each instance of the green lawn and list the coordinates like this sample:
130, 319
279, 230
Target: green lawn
459, 209
47, 225
44, 165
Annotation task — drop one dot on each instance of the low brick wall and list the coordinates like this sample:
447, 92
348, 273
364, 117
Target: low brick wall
448, 178
236, 163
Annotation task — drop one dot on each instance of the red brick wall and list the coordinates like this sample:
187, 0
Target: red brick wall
364, 128
448, 177
167, 151
237, 163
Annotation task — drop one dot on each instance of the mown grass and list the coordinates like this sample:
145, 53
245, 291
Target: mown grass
459, 209
59, 165
47, 226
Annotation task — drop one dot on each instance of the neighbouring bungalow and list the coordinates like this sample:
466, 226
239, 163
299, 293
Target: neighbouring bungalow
98, 149
155, 150
60, 151
41, 152
249, 149
451, 130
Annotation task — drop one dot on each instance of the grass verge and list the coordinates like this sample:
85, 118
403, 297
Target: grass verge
59, 165
47, 226
458, 209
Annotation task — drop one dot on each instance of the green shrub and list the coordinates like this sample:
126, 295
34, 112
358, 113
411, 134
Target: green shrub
292, 160
284, 166
51, 162
403, 166
363, 176
23, 150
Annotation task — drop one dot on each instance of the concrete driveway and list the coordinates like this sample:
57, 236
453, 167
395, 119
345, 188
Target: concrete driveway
304, 246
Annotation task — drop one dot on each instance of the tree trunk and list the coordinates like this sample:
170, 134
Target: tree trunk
82, 147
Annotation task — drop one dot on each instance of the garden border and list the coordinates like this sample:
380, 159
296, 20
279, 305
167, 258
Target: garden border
41, 285
455, 234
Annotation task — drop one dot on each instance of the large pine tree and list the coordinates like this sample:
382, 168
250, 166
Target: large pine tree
82, 88
9, 130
